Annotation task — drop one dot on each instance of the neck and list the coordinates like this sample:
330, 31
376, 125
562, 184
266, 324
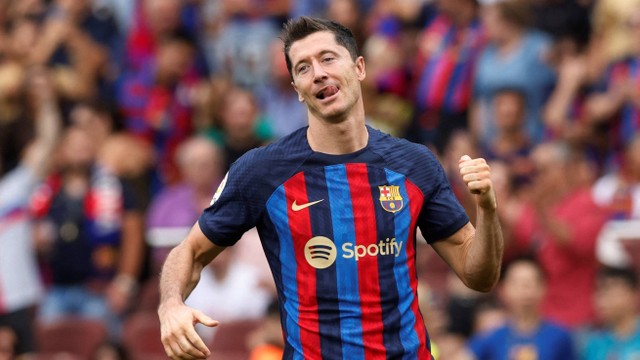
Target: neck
510, 41
526, 322
625, 326
345, 137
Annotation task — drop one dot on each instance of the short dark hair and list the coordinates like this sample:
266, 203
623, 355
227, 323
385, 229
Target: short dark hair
300, 28
517, 12
627, 275
524, 259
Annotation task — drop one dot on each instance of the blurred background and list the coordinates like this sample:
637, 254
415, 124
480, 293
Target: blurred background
119, 118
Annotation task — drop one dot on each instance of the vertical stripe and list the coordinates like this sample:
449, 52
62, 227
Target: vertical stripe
346, 268
415, 204
365, 226
300, 227
386, 263
404, 269
442, 78
454, 87
277, 208
326, 279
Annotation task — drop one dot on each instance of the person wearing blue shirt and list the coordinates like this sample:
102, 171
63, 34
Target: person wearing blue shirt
616, 303
526, 334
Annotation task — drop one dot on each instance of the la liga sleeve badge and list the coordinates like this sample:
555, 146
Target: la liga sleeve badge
218, 192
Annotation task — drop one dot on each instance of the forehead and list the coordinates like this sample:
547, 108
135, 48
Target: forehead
314, 44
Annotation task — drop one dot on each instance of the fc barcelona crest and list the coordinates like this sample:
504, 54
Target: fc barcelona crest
390, 198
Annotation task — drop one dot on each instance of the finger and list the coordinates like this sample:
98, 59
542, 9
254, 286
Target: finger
204, 319
464, 158
176, 352
189, 350
479, 186
476, 176
477, 168
196, 342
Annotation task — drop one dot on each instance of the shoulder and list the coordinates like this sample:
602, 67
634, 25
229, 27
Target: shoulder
285, 148
399, 150
271, 163
413, 160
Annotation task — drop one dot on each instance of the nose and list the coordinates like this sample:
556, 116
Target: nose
319, 74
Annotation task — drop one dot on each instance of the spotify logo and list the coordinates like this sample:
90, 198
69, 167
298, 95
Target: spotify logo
320, 252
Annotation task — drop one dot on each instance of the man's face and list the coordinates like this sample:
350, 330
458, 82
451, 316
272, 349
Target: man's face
523, 288
614, 300
324, 75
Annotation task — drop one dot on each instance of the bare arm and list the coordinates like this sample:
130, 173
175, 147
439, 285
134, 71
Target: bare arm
180, 274
124, 285
48, 123
475, 254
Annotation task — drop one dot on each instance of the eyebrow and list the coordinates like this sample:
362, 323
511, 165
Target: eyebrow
319, 54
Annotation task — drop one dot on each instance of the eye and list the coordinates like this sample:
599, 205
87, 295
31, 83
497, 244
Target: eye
328, 59
303, 68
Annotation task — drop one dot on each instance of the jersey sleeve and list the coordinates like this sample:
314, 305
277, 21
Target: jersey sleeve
235, 207
442, 214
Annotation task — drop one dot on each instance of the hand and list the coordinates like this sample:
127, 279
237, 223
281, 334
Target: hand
120, 292
477, 175
178, 333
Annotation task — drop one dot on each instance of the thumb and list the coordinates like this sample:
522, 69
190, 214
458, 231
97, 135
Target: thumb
204, 319
465, 158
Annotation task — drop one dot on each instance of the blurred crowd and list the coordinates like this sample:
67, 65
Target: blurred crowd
119, 118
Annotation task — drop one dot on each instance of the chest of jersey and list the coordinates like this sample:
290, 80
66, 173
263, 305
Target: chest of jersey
351, 212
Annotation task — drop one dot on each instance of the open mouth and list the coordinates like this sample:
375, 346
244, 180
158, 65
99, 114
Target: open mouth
327, 92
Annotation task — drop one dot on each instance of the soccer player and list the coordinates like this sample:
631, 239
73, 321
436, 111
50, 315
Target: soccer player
336, 205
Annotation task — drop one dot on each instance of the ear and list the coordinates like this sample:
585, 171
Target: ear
360, 68
300, 98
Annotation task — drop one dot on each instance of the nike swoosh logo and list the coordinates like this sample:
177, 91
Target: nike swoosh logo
296, 207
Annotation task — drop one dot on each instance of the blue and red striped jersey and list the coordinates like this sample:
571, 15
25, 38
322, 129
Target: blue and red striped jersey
339, 234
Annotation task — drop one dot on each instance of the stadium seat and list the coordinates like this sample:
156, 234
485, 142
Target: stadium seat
72, 335
141, 336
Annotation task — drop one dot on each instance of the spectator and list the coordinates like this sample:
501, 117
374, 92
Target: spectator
156, 103
20, 286
201, 167
616, 300
153, 20
75, 43
618, 106
527, 334
514, 52
283, 111
511, 143
448, 49
94, 246
620, 190
560, 224
243, 127
245, 32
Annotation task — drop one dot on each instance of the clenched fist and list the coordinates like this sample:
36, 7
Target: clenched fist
477, 175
